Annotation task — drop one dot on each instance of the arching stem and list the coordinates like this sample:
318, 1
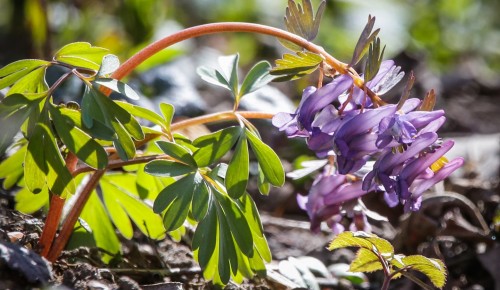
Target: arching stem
220, 27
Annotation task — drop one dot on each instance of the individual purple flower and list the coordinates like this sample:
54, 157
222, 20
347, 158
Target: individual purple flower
416, 176
354, 141
404, 125
390, 164
313, 101
326, 196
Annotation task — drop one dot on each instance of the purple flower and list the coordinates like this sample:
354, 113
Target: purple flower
326, 196
390, 164
354, 141
416, 176
404, 125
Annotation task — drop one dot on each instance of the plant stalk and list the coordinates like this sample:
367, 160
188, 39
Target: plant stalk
220, 27
55, 212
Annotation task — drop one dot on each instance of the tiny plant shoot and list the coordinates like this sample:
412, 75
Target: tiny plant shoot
87, 150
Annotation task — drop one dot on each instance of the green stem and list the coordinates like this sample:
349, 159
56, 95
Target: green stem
220, 27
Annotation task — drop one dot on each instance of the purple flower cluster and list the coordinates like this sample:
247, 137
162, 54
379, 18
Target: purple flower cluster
339, 120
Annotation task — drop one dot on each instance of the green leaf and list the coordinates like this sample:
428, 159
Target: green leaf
434, 269
77, 141
144, 113
12, 72
118, 192
268, 160
110, 63
237, 223
178, 152
237, 172
168, 114
33, 82
201, 199
103, 232
292, 67
257, 77
82, 54
44, 164
300, 20
213, 76
364, 41
11, 168
166, 168
175, 200
365, 261
263, 185
119, 87
97, 108
205, 240
213, 146
229, 68
28, 202
253, 219
14, 110
363, 240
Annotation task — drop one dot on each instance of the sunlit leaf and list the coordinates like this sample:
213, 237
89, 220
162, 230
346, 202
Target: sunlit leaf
33, 82
109, 64
28, 202
363, 240
167, 168
365, 261
144, 113
291, 66
167, 111
77, 141
11, 168
434, 269
268, 160
229, 69
119, 191
103, 232
178, 152
82, 54
257, 77
13, 72
213, 146
14, 110
119, 87
237, 173
301, 21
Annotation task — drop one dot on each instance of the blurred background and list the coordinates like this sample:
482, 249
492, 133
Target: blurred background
453, 47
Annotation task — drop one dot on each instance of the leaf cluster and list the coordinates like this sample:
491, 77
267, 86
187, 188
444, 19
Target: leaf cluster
228, 241
226, 76
376, 253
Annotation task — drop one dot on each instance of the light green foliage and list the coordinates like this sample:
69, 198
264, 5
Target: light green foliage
295, 66
364, 41
376, 254
227, 76
15, 71
214, 146
374, 60
81, 54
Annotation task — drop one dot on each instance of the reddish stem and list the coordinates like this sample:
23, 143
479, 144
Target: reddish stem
55, 212
70, 221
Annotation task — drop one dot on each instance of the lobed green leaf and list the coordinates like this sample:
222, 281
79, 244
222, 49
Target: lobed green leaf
291, 67
82, 54
364, 41
365, 261
13, 72
363, 240
256, 78
434, 269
